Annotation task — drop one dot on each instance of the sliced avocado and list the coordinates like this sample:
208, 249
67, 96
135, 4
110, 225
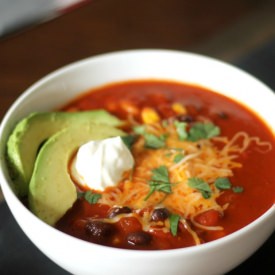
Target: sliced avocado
51, 190
32, 131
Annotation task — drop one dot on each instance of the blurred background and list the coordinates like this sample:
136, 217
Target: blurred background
227, 29
39, 36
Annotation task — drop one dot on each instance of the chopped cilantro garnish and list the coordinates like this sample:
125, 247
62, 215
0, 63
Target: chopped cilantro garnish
89, 196
222, 183
203, 131
237, 189
201, 186
158, 186
154, 142
181, 129
80, 194
205, 194
178, 158
225, 184
151, 141
159, 181
174, 222
160, 174
129, 140
141, 130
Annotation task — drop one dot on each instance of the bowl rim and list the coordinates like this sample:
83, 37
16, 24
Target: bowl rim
6, 188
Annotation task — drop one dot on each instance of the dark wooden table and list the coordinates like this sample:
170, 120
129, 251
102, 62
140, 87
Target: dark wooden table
110, 25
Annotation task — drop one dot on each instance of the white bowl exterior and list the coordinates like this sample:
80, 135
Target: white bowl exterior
79, 257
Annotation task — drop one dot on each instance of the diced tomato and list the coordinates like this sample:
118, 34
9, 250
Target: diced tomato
227, 197
96, 210
208, 218
129, 225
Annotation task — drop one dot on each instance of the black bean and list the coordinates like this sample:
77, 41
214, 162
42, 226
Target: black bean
139, 238
185, 118
118, 210
99, 230
223, 115
160, 214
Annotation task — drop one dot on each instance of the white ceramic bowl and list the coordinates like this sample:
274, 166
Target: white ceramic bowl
79, 257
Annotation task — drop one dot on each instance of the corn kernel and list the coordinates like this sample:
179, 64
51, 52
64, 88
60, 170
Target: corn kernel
149, 115
179, 108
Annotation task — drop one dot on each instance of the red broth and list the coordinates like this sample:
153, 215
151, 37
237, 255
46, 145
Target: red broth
256, 177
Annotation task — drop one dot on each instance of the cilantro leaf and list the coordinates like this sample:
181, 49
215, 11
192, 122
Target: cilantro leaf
129, 140
178, 158
200, 185
159, 181
203, 131
181, 129
205, 194
222, 183
160, 174
237, 189
158, 186
140, 130
174, 222
151, 191
79, 194
91, 197
153, 141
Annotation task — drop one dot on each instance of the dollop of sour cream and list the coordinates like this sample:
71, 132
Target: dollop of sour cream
99, 164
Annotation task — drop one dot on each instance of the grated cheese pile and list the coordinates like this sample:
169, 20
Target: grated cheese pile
200, 159
177, 166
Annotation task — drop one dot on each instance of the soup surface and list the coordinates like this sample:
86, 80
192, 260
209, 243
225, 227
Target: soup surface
202, 168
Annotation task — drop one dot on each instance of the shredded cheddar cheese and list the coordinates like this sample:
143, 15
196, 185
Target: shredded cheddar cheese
202, 159
177, 172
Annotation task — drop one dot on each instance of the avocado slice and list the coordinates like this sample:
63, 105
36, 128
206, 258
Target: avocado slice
51, 190
28, 135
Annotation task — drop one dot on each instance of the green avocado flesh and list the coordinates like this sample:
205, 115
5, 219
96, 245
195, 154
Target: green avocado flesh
32, 131
51, 190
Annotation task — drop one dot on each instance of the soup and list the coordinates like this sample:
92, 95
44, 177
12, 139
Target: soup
202, 168
145, 165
